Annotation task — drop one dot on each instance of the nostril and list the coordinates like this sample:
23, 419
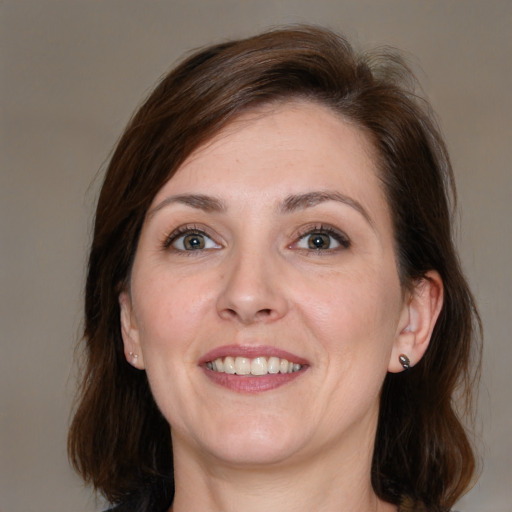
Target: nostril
261, 314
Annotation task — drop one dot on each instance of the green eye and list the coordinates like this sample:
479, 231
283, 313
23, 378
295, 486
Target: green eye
191, 240
321, 239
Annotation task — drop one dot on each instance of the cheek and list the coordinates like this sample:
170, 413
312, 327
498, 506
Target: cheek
351, 318
171, 312
354, 314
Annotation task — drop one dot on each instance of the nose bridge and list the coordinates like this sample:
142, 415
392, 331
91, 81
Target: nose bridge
251, 291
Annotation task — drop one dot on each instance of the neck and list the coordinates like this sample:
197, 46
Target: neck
324, 483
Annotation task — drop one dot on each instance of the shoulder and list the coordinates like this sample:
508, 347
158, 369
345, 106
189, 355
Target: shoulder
153, 498
153, 495
137, 506
416, 507
123, 507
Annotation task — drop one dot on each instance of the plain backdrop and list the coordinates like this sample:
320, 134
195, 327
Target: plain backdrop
72, 73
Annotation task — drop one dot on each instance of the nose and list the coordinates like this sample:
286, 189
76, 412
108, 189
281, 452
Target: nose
251, 290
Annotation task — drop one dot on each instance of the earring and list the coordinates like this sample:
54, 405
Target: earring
404, 361
135, 356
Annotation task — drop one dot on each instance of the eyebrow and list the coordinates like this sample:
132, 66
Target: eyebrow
308, 200
290, 204
199, 201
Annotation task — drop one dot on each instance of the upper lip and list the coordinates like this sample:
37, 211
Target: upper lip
250, 351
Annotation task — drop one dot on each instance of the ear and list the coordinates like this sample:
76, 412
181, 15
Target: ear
419, 316
130, 332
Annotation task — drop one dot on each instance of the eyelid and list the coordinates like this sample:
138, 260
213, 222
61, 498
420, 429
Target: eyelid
341, 237
187, 229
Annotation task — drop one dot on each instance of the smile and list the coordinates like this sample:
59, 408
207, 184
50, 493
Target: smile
257, 366
252, 369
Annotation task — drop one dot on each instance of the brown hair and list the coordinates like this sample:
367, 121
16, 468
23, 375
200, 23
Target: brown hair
118, 439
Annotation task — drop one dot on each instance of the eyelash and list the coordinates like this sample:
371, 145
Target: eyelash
339, 236
181, 232
320, 229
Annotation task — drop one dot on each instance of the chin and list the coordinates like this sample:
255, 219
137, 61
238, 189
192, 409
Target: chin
253, 441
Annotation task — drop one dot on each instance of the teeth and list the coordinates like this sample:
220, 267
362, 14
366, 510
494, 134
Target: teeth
273, 365
229, 365
257, 366
242, 366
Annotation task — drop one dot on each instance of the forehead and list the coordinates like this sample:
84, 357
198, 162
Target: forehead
290, 146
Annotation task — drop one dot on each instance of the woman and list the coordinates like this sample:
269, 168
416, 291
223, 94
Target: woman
275, 312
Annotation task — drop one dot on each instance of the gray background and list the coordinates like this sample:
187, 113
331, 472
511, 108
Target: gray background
71, 74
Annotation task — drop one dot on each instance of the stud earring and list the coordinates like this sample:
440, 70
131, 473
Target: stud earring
135, 356
404, 361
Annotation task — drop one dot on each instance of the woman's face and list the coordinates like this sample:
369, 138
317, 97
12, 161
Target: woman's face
265, 303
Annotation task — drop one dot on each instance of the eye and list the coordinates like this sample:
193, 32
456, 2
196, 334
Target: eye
190, 239
322, 239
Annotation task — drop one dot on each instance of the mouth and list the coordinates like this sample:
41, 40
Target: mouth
257, 366
249, 369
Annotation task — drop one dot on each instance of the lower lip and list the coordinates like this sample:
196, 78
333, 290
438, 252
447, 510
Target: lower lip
250, 383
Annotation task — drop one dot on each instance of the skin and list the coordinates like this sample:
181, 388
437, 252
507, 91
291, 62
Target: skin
305, 445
